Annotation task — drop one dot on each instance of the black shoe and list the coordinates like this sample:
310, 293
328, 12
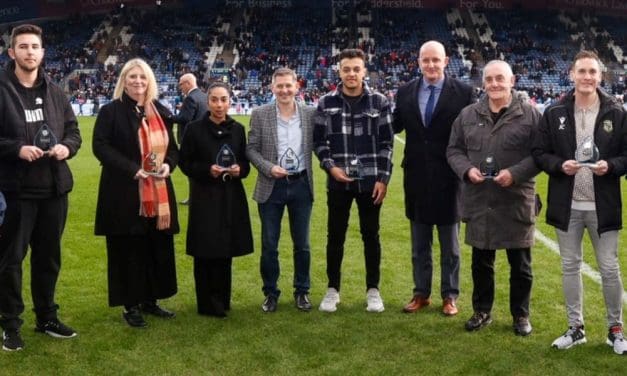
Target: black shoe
55, 328
11, 340
302, 302
269, 305
134, 318
156, 310
522, 326
478, 321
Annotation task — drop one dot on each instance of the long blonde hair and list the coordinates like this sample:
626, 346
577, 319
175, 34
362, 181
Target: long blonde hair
151, 89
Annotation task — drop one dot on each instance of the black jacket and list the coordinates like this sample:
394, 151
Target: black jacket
556, 143
194, 108
432, 190
115, 144
13, 133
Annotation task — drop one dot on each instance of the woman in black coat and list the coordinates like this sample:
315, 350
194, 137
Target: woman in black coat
219, 223
136, 208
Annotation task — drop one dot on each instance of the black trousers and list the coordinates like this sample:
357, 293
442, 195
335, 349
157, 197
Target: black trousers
339, 207
213, 285
141, 268
38, 223
520, 280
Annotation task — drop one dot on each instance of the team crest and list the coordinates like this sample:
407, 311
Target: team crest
608, 126
38, 101
562, 125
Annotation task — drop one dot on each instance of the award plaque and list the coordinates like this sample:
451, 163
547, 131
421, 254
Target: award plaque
355, 170
489, 168
225, 158
44, 138
151, 164
587, 153
290, 162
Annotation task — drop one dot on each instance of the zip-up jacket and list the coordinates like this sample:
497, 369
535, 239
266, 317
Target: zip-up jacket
556, 143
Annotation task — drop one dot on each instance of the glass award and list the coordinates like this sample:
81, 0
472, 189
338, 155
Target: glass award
290, 162
489, 168
355, 170
225, 158
151, 164
587, 153
44, 138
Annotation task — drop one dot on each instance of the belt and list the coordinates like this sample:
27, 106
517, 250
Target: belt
296, 176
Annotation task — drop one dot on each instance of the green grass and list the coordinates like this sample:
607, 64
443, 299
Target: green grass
350, 341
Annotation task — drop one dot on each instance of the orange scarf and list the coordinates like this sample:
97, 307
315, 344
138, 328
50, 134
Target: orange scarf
153, 192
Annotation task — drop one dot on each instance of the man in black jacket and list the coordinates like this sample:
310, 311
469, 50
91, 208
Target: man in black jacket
194, 107
586, 196
38, 133
425, 108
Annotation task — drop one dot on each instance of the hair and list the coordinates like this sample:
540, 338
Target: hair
151, 89
351, 53
217, 84
26, 29
508, 68
586, 54
283, 71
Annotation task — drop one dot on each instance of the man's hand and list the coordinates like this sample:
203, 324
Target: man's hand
504, 178
378, 193
601, 168
339, 175
474, 175
30, 153
278, 172
59, 152
570, 167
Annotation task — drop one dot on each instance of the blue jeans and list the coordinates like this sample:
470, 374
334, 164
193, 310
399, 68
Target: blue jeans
294, 194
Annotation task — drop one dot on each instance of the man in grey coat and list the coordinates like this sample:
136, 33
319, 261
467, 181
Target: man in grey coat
280, 146
490, 150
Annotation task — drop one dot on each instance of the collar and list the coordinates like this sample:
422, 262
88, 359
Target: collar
439, 84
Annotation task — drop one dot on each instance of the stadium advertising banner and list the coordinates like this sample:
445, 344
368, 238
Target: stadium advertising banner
13, 10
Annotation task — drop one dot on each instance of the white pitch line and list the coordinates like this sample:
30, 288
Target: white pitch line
552, 245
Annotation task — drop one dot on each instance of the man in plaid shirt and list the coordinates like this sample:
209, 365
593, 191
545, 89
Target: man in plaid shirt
353, 138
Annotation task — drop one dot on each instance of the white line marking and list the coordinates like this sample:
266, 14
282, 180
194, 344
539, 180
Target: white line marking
552, 245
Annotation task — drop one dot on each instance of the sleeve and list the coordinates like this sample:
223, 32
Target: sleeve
543, 150
187, 111
103, 146
71, 134
320, 138
618, 164
456, 152
253, 148
526, 168
385, 142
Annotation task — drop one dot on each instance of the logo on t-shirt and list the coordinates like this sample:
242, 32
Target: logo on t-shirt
33, 116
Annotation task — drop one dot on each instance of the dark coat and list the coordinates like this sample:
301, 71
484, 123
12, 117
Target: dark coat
432, 190
556, 143
219, 222
194, 108
13, 133
496, 217
116, 145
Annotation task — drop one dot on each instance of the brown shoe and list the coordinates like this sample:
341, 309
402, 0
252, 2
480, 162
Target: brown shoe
449, 308
416, 303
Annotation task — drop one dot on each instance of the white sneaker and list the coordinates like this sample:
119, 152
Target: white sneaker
375, 303
616, 339
330, 301
573, 336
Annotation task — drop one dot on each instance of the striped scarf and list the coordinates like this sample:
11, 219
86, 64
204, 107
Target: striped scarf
153, 144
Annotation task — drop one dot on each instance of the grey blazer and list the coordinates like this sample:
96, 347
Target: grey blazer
261, 149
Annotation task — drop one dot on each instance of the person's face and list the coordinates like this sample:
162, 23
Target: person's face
586, 74
284, 89
27, 52
184, 85
136, 83
432, 61
352, 73
498, 82
219, 103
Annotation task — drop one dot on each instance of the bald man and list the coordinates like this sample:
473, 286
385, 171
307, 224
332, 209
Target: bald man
425, 108
499, 203
194, 105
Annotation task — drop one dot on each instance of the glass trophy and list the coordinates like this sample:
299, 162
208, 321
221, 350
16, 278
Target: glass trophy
44, 138
355, 170
225, 158
587, 153
489, 168
151, 164
290, 162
